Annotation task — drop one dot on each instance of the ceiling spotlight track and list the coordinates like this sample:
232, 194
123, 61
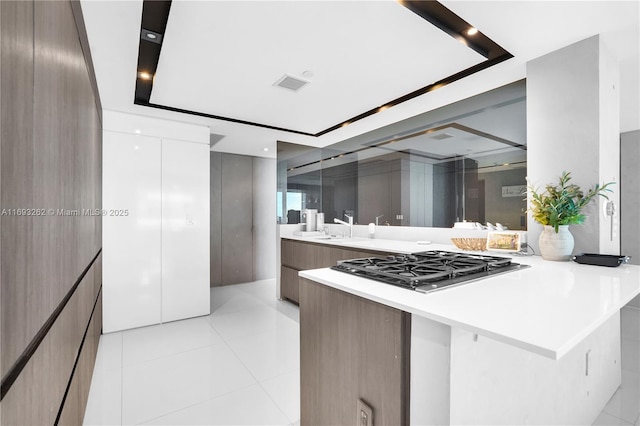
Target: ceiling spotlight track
456, 27
155, 15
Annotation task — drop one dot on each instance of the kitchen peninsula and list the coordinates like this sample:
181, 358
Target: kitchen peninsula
540, 345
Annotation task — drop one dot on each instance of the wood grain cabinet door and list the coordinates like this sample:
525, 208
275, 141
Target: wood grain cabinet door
289, 287
350, 349
237, 219
298, 256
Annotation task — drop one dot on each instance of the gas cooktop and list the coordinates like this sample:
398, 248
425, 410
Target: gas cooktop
430, 270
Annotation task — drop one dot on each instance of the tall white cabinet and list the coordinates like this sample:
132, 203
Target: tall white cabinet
185, 229
156, 221
132, 231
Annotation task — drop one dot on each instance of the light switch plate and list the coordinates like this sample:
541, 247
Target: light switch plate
365, 414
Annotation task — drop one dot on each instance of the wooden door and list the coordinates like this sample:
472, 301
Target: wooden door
236, 219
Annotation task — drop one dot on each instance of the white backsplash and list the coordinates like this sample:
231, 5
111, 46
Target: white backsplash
401, 233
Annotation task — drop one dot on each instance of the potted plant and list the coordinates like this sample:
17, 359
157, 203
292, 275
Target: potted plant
557, 207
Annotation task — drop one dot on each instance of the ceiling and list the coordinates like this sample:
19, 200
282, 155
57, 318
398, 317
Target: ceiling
223, 58
353, 60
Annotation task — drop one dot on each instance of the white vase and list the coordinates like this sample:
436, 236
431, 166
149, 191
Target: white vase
556, 246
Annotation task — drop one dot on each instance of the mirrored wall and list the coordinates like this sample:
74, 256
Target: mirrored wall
462, 162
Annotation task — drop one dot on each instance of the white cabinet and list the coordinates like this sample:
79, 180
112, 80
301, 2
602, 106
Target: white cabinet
156, 227
495, 383
185, 229
131, 233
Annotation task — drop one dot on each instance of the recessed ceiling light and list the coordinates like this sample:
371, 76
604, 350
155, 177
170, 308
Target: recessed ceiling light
266, 149
151, 36
472, 31
145, 75
307, 74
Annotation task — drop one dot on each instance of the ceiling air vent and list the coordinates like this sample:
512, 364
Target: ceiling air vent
291, 83
214, 139
441, 136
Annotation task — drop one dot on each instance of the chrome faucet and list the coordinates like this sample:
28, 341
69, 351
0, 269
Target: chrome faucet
349, 224
378, 217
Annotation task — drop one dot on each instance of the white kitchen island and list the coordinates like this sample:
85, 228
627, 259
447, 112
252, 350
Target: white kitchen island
536, 346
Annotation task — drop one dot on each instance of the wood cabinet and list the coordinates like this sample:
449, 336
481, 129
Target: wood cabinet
352, 349
289, 288
301, 255
232, 238
23, 304
51, 177
237, 219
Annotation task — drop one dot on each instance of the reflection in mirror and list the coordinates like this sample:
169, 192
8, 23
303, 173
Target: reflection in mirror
299, 182
462, 162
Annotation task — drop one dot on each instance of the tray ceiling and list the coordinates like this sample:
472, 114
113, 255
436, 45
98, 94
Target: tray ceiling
354, 61
114, 35
303, 67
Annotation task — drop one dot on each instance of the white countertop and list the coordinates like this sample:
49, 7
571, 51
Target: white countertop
390, 246
546, 309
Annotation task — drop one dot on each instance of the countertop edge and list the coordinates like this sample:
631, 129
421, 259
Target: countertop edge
555, 352
540, 350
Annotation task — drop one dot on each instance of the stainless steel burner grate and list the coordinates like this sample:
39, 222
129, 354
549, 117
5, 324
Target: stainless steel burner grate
427, 271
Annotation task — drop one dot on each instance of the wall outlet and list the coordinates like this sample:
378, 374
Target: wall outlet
365, 414
399, 217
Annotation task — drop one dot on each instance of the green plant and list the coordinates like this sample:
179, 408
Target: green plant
561, 204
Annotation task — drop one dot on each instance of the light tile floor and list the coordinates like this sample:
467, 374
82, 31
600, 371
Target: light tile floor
241, 366
624, 406
238, 366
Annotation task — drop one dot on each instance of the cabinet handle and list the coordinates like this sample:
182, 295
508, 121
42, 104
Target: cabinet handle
586, 367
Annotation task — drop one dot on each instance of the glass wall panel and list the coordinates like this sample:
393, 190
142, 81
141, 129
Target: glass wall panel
462, 162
